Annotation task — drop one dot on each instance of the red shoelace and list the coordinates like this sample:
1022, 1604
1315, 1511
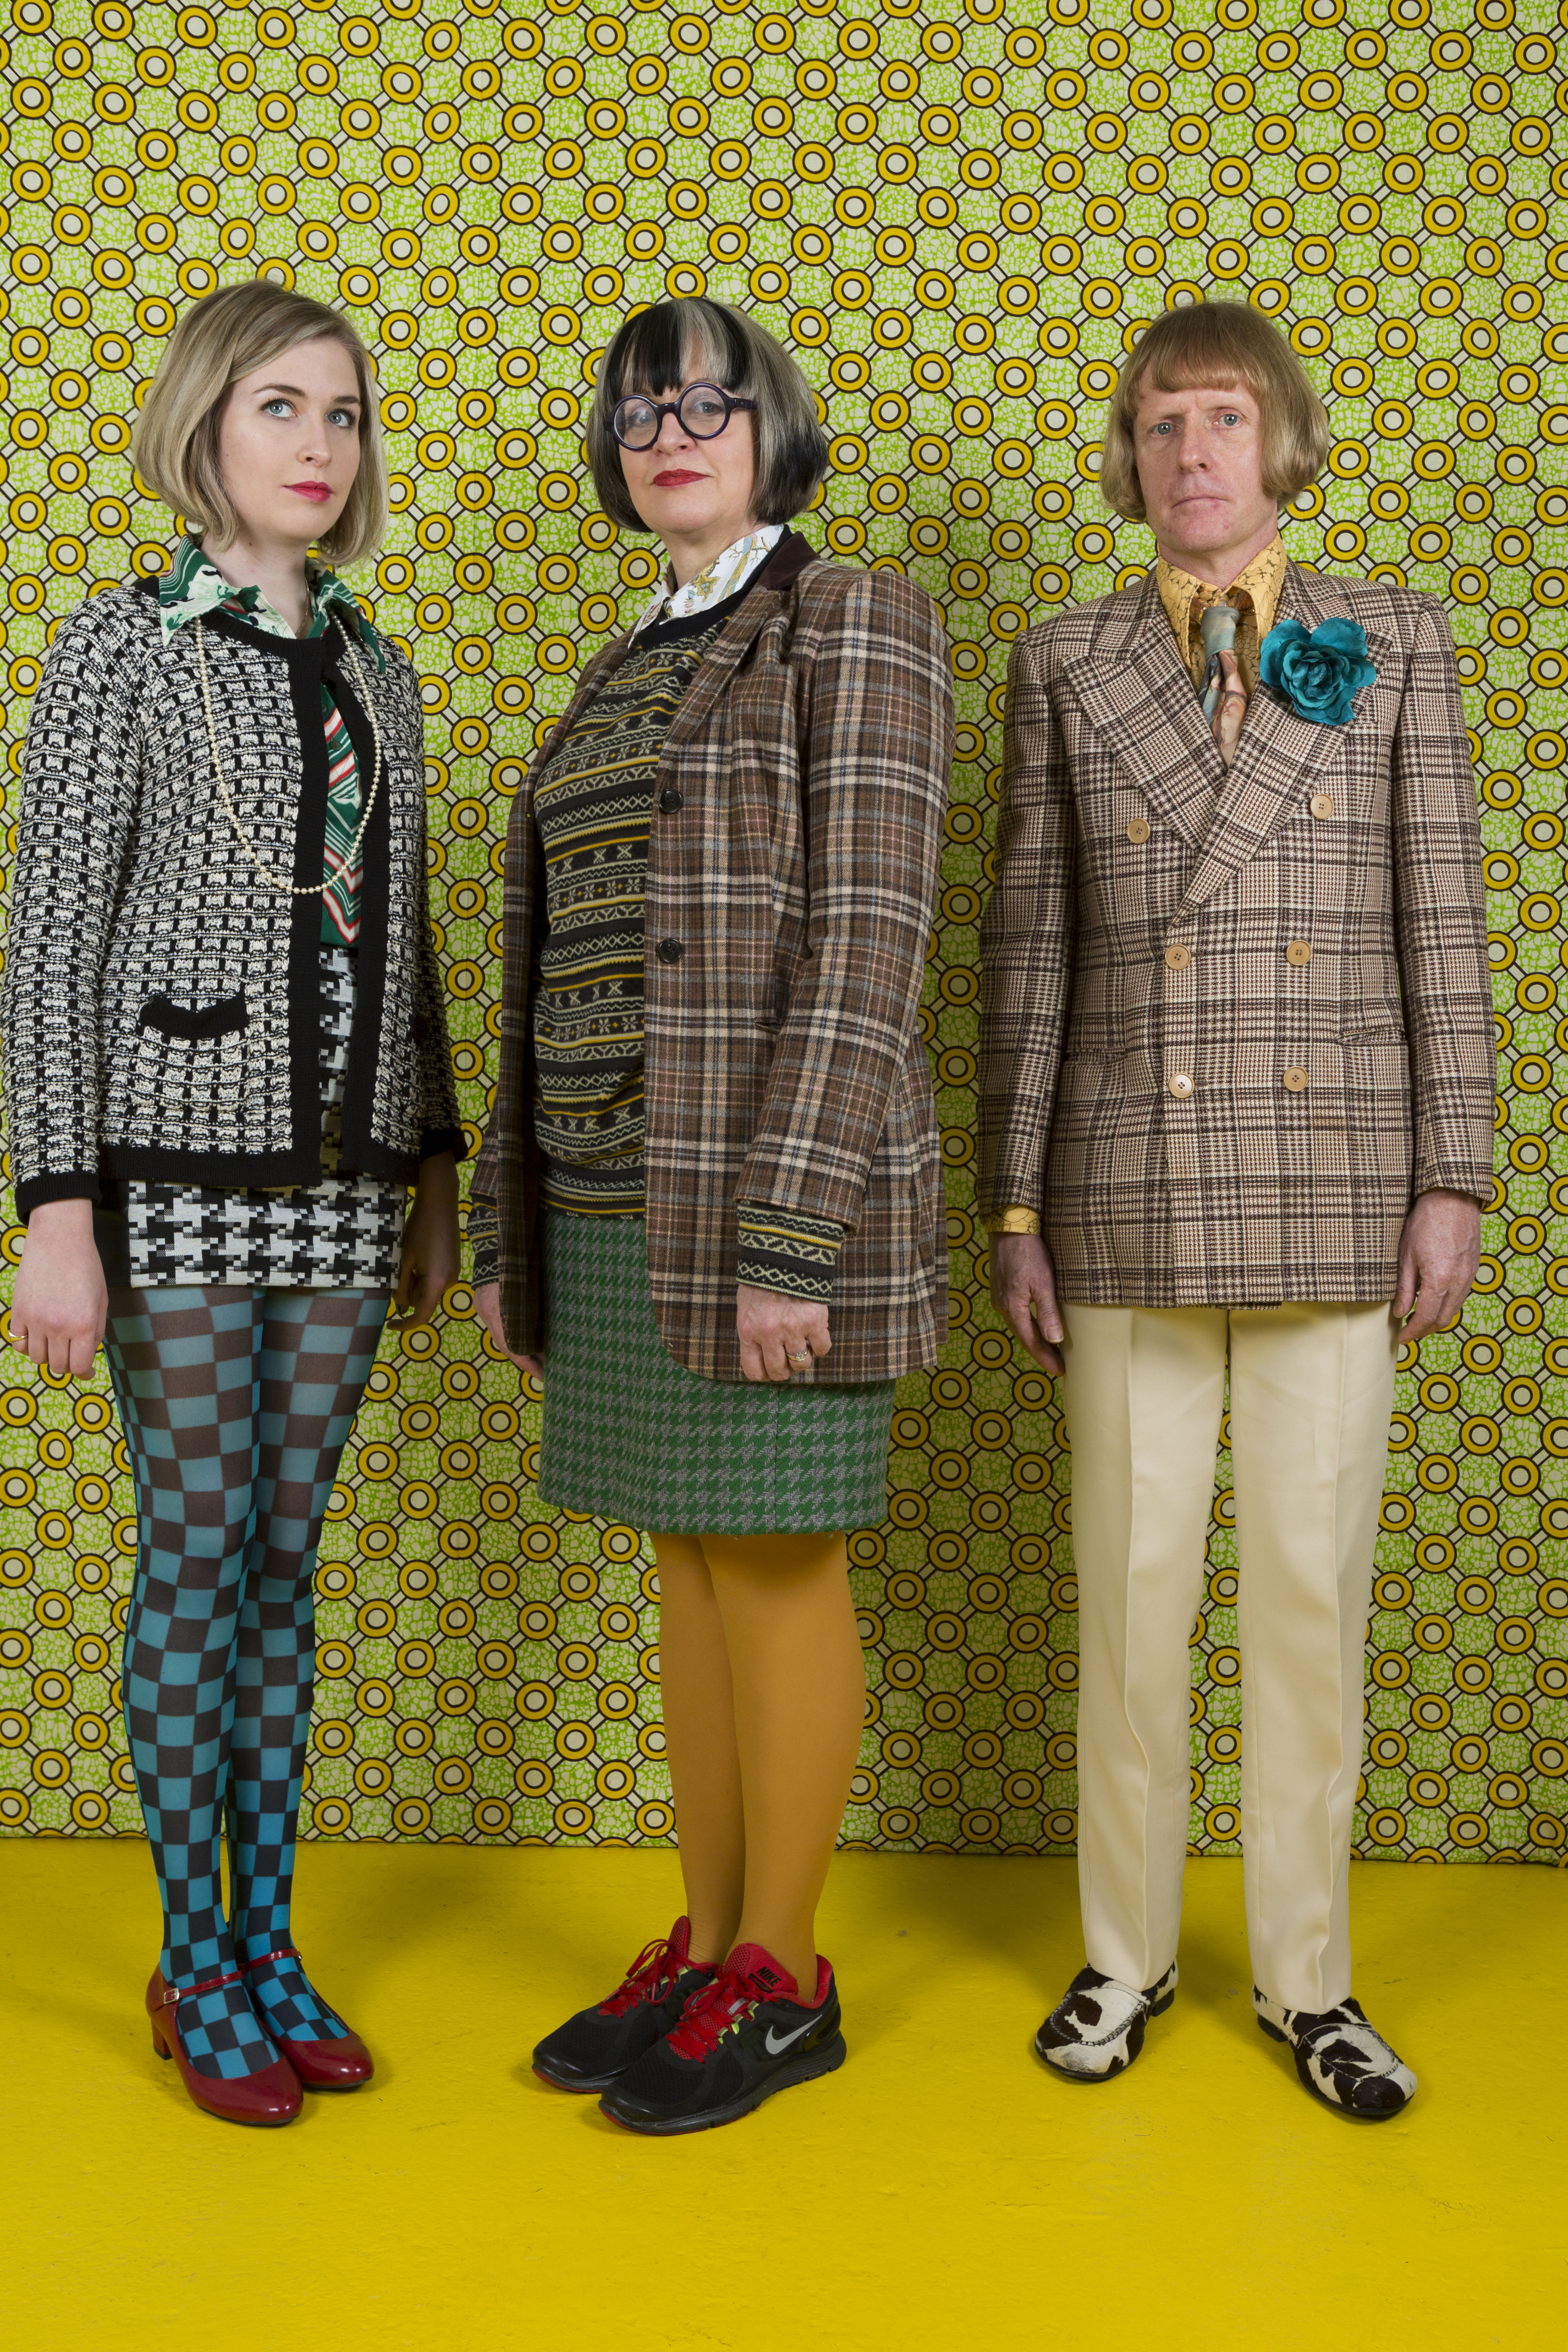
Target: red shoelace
656, 1965
710, 2014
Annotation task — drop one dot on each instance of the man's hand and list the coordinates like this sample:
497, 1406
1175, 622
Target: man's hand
430, 1257
779, 1335
61, 1300
1023, 1291
487, 1306
1439, 1252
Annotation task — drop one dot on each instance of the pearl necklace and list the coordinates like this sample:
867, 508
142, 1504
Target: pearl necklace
292, 889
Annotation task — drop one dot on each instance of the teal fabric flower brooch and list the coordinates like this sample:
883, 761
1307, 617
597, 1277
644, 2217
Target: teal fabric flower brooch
1318, 672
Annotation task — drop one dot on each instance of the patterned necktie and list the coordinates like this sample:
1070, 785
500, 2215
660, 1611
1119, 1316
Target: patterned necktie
1218, 624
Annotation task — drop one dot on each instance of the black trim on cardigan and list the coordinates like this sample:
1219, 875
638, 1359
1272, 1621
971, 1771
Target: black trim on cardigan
360, 1154
69, 1185
229, 1015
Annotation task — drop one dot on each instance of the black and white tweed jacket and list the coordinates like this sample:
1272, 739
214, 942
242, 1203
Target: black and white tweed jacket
160, 1013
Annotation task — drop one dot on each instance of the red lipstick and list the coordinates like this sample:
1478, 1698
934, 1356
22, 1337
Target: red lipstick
674, 476
319, 491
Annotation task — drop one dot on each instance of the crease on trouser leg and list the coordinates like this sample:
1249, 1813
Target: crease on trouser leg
1144, 1390
1312, 1387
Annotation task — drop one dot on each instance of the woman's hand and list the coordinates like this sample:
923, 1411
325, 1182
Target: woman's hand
430, 1257
779, 1335
487, 1306
61, 1300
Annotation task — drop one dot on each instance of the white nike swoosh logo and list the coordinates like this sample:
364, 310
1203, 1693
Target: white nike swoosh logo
782, 2041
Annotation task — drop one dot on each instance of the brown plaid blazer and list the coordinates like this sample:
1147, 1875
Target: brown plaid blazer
1151, 924
798, 873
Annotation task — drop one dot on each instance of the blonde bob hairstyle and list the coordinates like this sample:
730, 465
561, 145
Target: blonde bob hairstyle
1221, 343
218, 340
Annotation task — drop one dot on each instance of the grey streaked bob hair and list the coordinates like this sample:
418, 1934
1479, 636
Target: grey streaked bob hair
655, 350
1222, 343
223, 337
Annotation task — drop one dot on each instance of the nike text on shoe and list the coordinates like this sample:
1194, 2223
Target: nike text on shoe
591, 2049
1096, 2029
742, 2038
1340, 2058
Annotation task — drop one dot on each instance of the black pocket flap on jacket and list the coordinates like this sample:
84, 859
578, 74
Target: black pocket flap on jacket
195, 1021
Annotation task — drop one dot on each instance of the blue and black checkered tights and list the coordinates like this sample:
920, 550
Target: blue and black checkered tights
236, 1405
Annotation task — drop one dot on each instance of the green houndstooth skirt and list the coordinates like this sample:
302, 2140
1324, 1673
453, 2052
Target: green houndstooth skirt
632, 1436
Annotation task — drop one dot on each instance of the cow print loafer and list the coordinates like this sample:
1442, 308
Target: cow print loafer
1096, 2029
1340, 2058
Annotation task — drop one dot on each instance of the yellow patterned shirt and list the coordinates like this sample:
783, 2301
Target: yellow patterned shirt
1186, 597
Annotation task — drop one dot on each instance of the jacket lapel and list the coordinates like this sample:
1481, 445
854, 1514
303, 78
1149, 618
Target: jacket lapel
1134, 690
765, 596
1279, 752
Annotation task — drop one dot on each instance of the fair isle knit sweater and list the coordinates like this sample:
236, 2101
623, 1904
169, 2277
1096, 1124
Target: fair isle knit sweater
161, 1012
592, 806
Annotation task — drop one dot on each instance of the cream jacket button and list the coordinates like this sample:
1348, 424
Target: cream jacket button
1180, 1084
1322, 805
1138, 830
1300, 951
1296, 1081
1178, 958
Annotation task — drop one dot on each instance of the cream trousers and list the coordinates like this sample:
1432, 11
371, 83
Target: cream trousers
1311, 1389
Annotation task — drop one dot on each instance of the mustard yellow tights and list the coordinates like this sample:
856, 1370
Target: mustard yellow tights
764, 1692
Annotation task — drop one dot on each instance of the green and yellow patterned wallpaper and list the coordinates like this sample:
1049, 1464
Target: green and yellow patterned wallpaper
958, 213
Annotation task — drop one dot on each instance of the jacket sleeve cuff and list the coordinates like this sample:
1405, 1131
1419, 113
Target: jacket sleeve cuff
69, 1185
783, 1250
484, 1241
437, 1140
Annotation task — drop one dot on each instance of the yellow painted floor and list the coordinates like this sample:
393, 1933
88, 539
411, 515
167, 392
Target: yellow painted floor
940, 2191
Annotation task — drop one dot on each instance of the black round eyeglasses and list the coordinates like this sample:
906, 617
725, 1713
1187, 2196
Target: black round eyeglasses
702, 411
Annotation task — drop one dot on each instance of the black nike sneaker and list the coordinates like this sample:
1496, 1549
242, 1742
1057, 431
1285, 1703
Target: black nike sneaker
740, 2039
592, 2048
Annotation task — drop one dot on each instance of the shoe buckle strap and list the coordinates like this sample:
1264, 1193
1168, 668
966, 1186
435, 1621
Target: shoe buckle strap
175, 1993
283, 1952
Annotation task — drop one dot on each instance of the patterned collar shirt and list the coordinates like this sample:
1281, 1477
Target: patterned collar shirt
195, 587
1255, 592
725, 576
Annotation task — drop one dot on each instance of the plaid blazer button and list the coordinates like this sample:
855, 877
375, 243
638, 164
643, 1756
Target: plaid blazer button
1139, 829
1322, 805
669, 951
1178, 959
1180, 1084
669, 800
1297, 1082
1299, 952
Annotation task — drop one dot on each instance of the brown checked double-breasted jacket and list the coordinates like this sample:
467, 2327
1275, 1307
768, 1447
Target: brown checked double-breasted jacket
791, 876
1233, 1021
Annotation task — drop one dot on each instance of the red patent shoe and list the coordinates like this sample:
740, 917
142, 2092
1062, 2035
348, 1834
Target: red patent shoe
268, 2098
344, 2065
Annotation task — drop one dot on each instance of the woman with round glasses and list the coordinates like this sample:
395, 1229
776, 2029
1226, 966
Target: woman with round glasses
709, 1204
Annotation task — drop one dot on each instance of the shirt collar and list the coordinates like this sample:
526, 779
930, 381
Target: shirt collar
725, 576
193, 586
1263, 580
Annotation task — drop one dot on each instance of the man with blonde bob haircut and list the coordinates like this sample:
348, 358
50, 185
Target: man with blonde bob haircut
1236, 1118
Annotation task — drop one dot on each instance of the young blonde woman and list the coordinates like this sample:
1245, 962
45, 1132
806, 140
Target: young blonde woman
712, 1186
226, 1062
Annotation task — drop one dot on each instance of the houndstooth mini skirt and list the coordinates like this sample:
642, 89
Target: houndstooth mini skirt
631, 1435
